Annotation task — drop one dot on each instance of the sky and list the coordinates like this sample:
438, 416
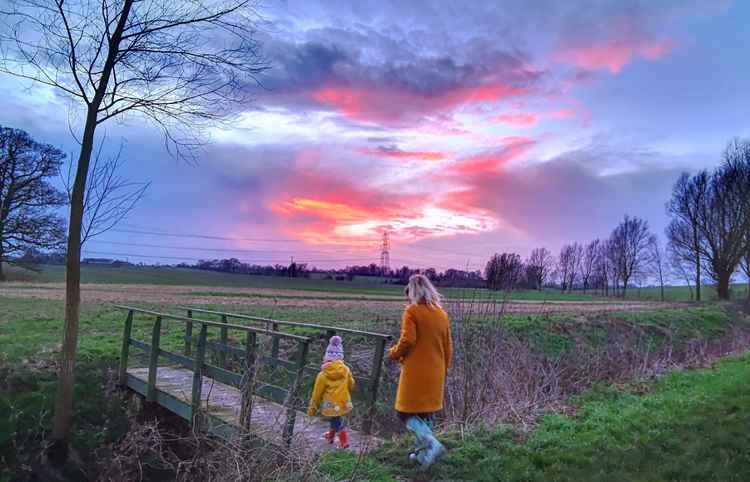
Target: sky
462, 128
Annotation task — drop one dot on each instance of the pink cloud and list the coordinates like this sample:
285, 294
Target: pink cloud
526, 119
489, 162
394, 105
516, 120
614, 54
406, 156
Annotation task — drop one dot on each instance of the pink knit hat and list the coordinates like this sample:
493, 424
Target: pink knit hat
335, 350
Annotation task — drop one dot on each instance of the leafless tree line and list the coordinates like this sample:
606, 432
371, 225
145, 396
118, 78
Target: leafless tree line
708, 237
709, 231
631, 253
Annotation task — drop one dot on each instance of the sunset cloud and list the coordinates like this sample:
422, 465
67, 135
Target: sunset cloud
448, 125
394, 105
530, 119
613, 55
490, 161
393, 152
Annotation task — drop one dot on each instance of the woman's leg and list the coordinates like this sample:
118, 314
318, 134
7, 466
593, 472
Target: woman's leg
427, 448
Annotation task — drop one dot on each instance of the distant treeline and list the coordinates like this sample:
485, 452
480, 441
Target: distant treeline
449, 277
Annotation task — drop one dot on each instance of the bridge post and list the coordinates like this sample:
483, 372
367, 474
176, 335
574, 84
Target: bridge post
374, 384
189, 334
200, 356
293, 395
123, 378
275, 344
248, 380
153, 361
224, 339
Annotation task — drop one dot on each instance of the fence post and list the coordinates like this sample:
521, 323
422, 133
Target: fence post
275, 343
200, 356
125, 349
223, 340
293, 395
374, 383
153, 361
248, 380
189, 334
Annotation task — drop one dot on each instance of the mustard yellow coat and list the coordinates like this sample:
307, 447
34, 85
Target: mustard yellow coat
332, 392
425, 350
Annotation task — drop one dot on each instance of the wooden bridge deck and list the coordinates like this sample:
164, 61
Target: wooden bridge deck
222, 403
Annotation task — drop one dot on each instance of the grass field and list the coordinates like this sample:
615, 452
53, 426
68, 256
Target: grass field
361, 286
97, 274
690, 425
617, 433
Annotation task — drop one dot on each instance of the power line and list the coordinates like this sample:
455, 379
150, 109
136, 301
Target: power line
133, 255
131, 229
218, 250
206, 236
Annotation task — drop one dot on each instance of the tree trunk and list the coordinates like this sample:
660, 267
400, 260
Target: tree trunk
2, 252
722, 286
698, 279
64, 397
624, 288
63, 418
661, 281
697, 264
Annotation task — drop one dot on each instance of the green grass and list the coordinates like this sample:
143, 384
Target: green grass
556, 334
32, 328
683, 293
614, 429
200, 278
26, 401
691, 425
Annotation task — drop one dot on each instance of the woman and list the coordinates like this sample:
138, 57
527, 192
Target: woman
424, 351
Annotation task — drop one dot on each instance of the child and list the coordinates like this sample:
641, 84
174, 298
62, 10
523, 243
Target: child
332, 392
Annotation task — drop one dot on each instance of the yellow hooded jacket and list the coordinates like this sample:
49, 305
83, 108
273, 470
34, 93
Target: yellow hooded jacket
332, 391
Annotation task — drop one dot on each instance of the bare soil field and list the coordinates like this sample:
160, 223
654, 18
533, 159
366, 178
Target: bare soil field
177, 295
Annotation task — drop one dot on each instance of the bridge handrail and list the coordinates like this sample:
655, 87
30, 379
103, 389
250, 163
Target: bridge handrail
289, 323
216, 324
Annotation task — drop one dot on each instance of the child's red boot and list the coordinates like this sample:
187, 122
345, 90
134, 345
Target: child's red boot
344, 439
330, 436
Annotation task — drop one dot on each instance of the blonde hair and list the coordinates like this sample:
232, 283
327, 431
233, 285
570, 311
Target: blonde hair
421, 290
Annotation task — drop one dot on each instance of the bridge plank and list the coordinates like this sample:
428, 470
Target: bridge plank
223, 402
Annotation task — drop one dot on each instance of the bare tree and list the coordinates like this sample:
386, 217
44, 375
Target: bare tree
683, 232
504, 271
491, 271
27, 198
602, 267
681, 268
540, 264
657, 262
737, 159
589, 261
746, 266
628, 245
723, 222
569, 265
181, 64
109, 197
